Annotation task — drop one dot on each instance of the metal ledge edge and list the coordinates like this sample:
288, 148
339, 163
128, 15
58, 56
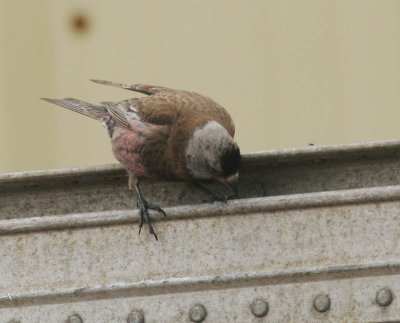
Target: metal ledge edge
199, 283
234, 207
271, 156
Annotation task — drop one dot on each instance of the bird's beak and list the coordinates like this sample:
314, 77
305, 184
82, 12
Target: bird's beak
233, 182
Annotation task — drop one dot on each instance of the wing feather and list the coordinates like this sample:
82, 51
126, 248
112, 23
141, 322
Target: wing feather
141, 88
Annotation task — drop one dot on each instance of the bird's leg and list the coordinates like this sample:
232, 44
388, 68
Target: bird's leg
144, 206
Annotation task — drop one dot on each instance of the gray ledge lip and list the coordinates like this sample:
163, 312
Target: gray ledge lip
278, 179
59, 173
271, 156
199, 283
235, 207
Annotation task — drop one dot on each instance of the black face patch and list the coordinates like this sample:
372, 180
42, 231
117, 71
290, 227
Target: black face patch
230, 161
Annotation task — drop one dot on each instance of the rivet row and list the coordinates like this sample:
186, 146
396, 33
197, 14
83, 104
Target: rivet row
259, 308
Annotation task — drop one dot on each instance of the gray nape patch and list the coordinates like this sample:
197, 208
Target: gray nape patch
205, 148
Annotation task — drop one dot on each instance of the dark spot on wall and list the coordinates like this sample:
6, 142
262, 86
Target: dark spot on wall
79, 23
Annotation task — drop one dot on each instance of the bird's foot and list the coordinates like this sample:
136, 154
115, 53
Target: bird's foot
144, 206
225, 198
215, 198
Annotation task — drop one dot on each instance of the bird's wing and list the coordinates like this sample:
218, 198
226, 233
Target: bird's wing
164, 106
118, 115
124, 112
129, 112
157, 110
192, 109
141, 88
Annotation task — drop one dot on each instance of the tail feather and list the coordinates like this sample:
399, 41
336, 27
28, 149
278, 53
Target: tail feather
97, 112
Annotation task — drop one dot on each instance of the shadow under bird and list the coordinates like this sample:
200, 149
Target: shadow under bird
168, 135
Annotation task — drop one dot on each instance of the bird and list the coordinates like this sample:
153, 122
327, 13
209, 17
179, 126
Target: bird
168, 134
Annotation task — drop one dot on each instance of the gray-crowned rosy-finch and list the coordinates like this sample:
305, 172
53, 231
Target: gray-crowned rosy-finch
167, 135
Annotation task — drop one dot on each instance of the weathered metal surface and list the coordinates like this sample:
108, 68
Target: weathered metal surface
295, 252
291, 171
352, 300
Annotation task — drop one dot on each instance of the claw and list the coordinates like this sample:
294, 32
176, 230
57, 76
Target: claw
144, 206
140, 222
155, 208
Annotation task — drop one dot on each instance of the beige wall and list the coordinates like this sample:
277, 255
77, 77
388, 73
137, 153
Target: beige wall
290, 72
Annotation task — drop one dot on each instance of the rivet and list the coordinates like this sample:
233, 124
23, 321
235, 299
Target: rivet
384, 297
322, 303
135, 316
75, 318
259, 307
197, 313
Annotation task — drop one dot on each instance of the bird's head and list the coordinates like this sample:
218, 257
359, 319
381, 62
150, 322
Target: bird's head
213, 154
